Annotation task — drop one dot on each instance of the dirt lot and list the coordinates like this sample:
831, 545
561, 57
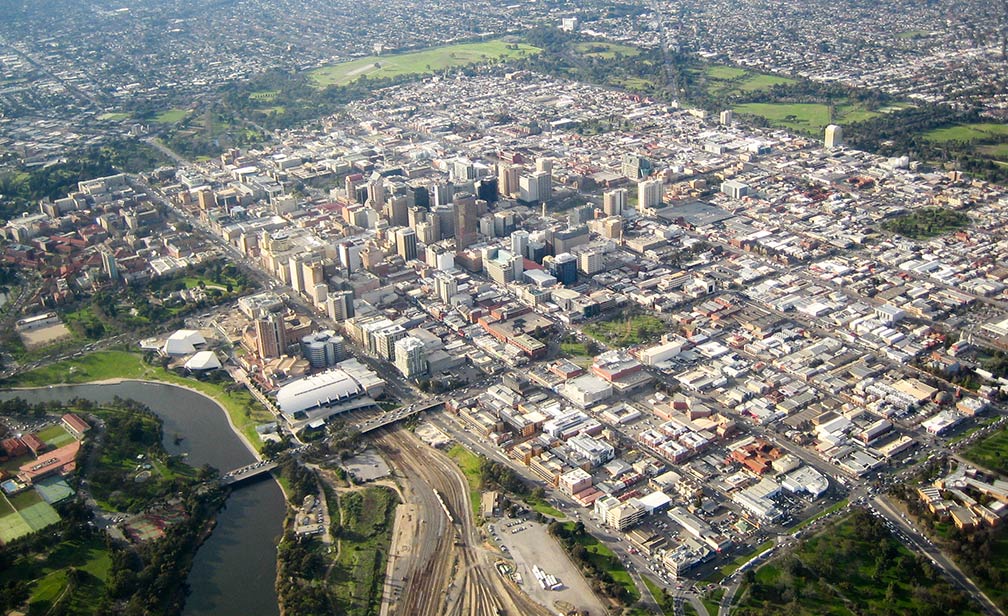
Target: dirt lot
41, 337
532, 545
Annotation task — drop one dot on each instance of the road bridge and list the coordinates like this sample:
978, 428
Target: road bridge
244, 473
398, 414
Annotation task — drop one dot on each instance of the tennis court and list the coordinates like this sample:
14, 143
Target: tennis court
13, 526
39, 516
53, 490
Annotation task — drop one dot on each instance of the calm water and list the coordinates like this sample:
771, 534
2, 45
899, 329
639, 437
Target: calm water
234, 572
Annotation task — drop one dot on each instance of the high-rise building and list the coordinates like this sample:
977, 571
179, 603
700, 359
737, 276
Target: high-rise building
444, 217
463, 170
519, 242
415, 215
565, 268
544, 165
636, 167
296, 273
339, 305
528, 189
271, 336
410, 358
396, 210
735, 189
545, 181
614, 201
206, 199
110, 266
487, 189
507, 179
834, 136
445, 285
376, 192
649, 194
322, 349
503, 223
591, 261
582, 214
443, 193
465, 220
570, 238
406, 243
726, 117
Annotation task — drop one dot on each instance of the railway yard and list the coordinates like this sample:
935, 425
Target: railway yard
445, 568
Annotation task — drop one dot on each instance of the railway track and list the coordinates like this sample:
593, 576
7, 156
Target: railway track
451, 573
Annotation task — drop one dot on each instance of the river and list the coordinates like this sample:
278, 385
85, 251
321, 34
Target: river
234, 572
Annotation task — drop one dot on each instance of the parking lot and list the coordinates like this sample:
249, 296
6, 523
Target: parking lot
529, 543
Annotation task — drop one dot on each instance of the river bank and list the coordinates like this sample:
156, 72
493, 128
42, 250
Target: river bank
234, 571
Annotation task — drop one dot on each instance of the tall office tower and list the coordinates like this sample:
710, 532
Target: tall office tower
565, 268
415, 215
520, 242
487, 189
504, 223
582, 214
443, 193
406, 240
636, 167
649, 193
614, 202
528, 189
445, 285
834, 136
312, 273
349, 255
296, 273
339, 305
110, 266
507, 179
465, 221
444, 217
319, 294
463, 170
726, 117
206, 199
421, 196
271, 336
486, 226
376, 192
396, 210
428, 232
545, 182
544, 165
410, 358
323, 348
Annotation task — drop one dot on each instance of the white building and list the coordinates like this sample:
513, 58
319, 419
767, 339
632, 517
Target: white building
410, 357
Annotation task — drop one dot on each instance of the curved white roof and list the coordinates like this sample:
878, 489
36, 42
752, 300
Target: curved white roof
183, 342
322, 389
204, 360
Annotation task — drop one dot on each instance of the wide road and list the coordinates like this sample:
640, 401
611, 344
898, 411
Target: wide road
920, 543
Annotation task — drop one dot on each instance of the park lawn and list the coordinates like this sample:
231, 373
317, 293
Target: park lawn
605, 560
763, 81
999, 150
990, 452
804, 117
47, 575
967, 132
605, 51
419, 62
629, 331
56, 436
264, 95
106, 365
733, 566
725, 73
171, 116
845, 556
667, 607
470, 464
5, 507
357, 574
538, 504
927, 222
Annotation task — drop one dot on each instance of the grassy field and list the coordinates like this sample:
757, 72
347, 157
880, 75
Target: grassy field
733, 566
733, 81
538, 504
665, 602
627, 331
171, 116
48, 580
927, 222
114, 116
470, 465
56, 436
419, 62
810, 118
356, 576
998, 151
241, 407
852, 567
605, 51
967, 132
605, 560
990, 452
